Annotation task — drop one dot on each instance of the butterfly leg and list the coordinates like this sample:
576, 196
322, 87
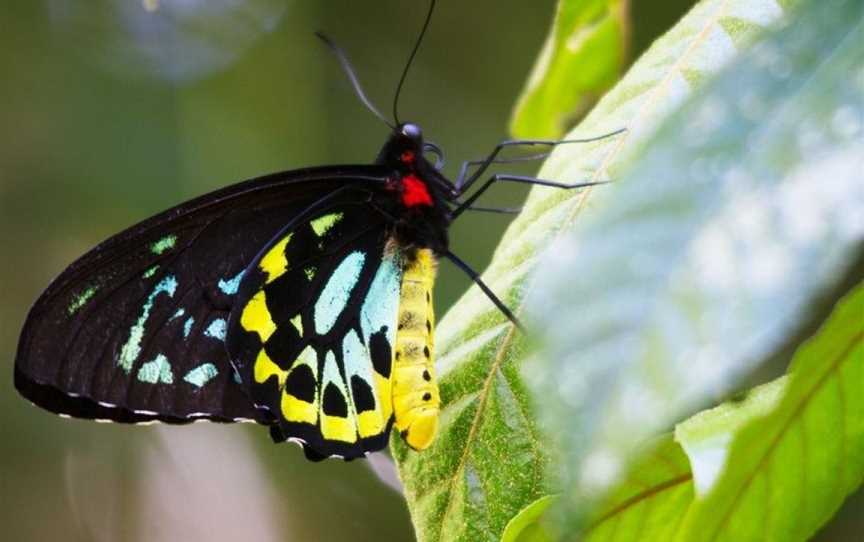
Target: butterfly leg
474, 276
463, 171
464, 181
465, 205
496, 210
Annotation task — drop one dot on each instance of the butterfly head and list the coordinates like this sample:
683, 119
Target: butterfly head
404, 149
413, 142
421, 180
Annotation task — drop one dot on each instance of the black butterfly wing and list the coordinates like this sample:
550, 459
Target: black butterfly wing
134, 330
313, 328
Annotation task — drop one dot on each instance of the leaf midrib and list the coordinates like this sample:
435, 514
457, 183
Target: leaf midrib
645, 494
475, 422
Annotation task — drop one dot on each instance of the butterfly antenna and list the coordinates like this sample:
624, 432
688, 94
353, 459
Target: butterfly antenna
352, 76
410, 61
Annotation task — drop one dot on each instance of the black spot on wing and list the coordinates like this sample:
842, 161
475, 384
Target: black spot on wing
364, 399
283, 346
334, 403
380, 352
301, 383
289, 294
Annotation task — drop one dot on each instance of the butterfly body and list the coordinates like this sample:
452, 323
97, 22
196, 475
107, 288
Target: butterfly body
345, 366
415, 392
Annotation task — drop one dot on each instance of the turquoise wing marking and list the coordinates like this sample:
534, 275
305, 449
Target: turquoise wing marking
337, 292
382, 300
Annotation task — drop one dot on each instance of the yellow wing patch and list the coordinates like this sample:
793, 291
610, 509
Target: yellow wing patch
265, 368
370, 423
274, 263
322, 224
297, 322
338, 428
296, 409
256, 317
383, 390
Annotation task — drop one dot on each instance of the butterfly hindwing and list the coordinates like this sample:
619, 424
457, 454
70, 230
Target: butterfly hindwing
134, 330
313, 329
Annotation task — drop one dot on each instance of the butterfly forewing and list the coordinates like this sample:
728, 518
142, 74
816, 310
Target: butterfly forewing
134, 330
313, 329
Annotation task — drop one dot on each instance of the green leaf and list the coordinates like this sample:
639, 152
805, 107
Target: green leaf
527, 525
583, 56
742, 447
490, 461
724, 224
706, 436
650, 501
785, 473
491, 458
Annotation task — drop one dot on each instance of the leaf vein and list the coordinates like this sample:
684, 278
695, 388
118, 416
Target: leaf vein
475, 423
638, 498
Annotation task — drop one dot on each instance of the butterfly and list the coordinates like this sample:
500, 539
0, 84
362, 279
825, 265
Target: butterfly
300, 300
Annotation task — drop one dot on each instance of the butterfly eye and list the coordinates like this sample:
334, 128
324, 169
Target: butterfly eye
436, 150
412, 131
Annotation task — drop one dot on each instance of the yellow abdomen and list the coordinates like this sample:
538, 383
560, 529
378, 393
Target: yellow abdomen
415, 391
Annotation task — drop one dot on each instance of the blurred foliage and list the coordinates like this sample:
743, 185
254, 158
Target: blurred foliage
583, 56
163, 39
733, 236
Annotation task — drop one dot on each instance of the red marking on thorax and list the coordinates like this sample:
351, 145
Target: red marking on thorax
415, 192
407, 157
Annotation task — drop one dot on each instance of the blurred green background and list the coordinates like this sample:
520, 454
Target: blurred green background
111, 111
